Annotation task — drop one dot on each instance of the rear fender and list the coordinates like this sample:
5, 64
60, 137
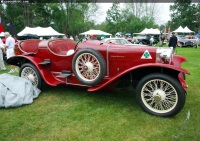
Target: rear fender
175, 68
42, 69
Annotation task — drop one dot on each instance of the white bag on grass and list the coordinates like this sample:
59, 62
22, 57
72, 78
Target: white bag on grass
16, 91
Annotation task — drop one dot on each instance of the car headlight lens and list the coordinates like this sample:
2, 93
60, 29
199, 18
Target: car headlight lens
164, 55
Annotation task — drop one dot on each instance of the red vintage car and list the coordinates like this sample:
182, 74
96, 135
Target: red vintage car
155, 73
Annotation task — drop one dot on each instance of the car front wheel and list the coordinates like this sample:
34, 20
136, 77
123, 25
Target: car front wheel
160, 95
30, 72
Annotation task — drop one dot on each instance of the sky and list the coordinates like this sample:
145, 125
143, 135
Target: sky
163, 16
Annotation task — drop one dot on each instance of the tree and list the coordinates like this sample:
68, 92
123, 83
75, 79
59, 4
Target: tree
142, 9
113, 18
183, 12
197, 15
77, 16
65, 17
126, 20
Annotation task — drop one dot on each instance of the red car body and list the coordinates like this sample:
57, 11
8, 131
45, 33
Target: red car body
113, 63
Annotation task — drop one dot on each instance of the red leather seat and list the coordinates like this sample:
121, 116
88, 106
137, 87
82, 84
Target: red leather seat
61, 47
29, 46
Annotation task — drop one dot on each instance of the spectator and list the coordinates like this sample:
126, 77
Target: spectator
86, 38
2, 66
173, 41
65, 37
71, 37
198, 40
162, 38
151, 41
9, 45
76, 38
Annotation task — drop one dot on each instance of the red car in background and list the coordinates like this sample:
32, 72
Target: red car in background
155, 73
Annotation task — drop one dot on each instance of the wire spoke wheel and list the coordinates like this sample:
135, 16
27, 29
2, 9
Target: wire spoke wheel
160, 95
88, 67
28, 71
30, 74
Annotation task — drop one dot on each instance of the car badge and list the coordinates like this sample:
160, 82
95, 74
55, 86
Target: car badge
146, 55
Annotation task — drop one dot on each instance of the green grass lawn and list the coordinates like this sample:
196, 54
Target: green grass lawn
70, 114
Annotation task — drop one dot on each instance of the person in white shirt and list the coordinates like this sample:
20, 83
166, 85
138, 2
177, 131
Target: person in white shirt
2, 46
10, 43
151, 41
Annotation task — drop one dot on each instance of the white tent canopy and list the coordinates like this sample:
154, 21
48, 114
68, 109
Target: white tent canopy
150, 31
183, 30
187, 30
179, 29
40, 31
95, 32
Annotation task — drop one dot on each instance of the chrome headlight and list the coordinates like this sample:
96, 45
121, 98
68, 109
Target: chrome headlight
164, 55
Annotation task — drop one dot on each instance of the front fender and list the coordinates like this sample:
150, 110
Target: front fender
178, 60
42, 69
176, 68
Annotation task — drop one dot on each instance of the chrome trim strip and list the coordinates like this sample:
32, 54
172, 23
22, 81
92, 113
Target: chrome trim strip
107, 59
77, 84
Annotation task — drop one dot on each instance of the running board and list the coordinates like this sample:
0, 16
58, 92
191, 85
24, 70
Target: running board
45, 62
64, 74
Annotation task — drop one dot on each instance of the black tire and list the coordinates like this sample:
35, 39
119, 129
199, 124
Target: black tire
30, 72
160, 95
87, 71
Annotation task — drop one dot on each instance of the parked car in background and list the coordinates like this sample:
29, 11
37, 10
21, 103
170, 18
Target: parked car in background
192, 38
184, 42
155, 73
145, 40
119, 41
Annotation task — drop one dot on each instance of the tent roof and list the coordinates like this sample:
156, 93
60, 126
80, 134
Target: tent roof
179, 29
183, 30
95, 32
40, 31
150, 31
187, 30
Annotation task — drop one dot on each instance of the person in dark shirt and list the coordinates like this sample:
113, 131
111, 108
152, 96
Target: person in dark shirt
173, 41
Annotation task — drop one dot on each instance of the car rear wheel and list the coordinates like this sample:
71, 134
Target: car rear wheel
89, 66
30, 72
160, 95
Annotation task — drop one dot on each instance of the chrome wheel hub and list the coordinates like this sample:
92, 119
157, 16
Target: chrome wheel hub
89, 67
30, 77
159, 95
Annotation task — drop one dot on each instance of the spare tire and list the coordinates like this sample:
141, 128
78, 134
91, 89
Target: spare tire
89, 66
